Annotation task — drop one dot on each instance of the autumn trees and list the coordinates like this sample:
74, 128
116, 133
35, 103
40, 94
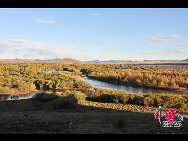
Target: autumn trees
23, 78
139, 75
26, 76
56, 80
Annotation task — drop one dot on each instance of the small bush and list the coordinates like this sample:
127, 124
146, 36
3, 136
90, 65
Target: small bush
120, 123
124, 98
67, 92
186, 97
77, 95
64, 102
106, 98
137, 99
148, 101
45, 97
109, 96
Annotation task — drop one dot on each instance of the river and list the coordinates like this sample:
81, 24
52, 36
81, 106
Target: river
101, 84
130, 89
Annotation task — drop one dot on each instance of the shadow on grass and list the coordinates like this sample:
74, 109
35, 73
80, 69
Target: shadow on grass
30, 116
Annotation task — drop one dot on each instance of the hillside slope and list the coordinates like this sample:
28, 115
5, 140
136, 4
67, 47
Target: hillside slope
56, 60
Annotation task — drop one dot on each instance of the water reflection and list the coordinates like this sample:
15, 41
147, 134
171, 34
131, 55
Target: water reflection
28, 96
4, 97
15, 97
131, 89
96, 83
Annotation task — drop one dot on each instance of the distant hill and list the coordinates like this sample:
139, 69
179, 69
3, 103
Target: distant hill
144, 62
70, 60
64, 60
108, 61
56, 60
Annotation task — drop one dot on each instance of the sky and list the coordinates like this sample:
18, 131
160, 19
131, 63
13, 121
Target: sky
94, 33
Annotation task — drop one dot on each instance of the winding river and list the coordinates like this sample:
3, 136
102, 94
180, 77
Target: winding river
101, 84
130, 89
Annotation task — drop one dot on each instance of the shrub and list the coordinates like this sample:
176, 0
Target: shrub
157, 101
67, 92
93, 94
168, 100
117, 96
106, 98
137, 99
110, 96
45, 97
148, 101
77, 95
174, 101
120, 123
186, 97
124, 98
64, 102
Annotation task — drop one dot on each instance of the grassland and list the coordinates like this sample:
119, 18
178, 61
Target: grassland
34, 117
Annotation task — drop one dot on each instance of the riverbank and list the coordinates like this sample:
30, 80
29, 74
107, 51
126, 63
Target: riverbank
85, 78
180, 90
18, 92
137, 86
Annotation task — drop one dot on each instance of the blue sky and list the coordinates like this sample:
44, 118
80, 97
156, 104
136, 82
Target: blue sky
94, 33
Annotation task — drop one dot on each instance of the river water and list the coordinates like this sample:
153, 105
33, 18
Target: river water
130, 89
101, 84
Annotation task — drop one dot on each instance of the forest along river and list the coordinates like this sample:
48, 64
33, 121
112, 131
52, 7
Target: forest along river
130, 89
100, 84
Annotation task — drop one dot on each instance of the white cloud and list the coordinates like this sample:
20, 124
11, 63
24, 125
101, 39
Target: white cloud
48, 22
5, 47
161, 39
18, 40
179, 51
59, 52
44, 21
20, 48
150, 53
20, 43
174, 36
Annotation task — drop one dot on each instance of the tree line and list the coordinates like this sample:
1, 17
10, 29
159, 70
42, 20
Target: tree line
155, 100
163, 77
